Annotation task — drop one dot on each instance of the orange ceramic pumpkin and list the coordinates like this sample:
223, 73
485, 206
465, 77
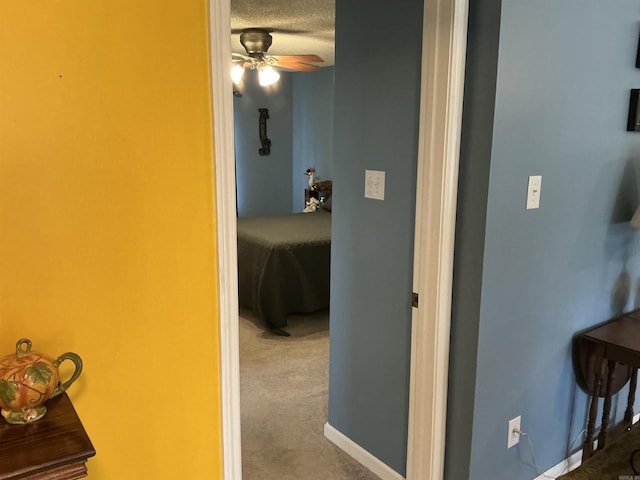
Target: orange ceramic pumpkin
28, 379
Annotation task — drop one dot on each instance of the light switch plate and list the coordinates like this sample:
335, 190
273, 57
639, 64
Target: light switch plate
374, 184
533, 192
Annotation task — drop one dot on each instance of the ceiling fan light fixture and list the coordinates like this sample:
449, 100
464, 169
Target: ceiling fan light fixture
256, 40
267, 76
236, 73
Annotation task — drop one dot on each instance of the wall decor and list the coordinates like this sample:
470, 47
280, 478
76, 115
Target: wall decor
262, 126
633, 123
638, 54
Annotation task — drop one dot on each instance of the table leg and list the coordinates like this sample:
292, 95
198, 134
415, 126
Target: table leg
606, 408
595, 362
628, 414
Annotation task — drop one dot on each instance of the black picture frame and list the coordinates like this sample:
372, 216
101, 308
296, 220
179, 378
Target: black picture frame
638, 54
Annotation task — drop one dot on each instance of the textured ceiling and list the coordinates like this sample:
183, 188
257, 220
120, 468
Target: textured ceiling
298, 27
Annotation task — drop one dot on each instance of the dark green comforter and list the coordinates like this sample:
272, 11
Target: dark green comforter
283, 264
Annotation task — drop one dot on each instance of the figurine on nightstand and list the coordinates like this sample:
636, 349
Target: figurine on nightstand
311, 205
309, 173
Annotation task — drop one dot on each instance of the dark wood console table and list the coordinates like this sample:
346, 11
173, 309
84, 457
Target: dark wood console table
55, 447
615, 343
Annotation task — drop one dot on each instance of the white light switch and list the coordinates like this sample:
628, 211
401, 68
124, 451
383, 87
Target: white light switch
533, 192
374, 184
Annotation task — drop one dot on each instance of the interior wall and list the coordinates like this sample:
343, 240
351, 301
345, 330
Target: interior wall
483, 37
563, 74
375, 127
107, 219
263, 183
312, 129
301, 129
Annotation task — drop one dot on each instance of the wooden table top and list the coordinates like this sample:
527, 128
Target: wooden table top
56, 440
621, 333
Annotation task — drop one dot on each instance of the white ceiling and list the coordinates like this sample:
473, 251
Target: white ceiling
298, 27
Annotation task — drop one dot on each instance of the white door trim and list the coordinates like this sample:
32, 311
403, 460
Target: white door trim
225, 184
444, 42
443, 61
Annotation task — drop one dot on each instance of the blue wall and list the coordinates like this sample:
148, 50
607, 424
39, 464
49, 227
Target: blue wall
547, 93
473, 186
377, 85
263, 182
312, 129
301, 130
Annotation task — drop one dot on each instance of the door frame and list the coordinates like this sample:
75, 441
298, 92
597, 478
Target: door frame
442, 86
444, 44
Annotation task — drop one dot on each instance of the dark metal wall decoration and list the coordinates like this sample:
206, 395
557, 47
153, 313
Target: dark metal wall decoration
633, 122
262, 125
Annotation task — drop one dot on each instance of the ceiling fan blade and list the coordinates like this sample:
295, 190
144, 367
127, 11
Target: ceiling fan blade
301, 67
299, 58
294, 31
238, 56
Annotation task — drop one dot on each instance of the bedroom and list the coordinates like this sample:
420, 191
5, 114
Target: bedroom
283, 262
271, 193
283, 136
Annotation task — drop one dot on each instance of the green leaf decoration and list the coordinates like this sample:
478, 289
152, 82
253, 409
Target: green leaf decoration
8, 391
39, 373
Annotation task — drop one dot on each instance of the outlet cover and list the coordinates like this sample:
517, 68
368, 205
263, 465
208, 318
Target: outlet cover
512, 437
533, 192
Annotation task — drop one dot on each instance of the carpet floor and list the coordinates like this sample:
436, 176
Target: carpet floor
612, 463
283, 404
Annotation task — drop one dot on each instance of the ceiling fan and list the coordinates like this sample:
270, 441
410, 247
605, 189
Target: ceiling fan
256, 42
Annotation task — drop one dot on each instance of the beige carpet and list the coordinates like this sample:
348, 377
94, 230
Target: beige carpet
283, 390
612, 463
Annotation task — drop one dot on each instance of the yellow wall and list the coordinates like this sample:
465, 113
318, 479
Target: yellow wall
106, 221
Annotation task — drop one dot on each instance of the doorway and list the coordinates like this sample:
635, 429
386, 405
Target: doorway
444, 42
281, 130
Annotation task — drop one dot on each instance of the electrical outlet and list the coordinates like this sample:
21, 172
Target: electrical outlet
513, 438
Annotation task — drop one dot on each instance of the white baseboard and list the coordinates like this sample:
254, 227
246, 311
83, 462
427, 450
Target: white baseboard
358, 453
571, 463
565, 466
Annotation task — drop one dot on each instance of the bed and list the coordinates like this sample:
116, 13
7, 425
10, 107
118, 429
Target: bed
283, 265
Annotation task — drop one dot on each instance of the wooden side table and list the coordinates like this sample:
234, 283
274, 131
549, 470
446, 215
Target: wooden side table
609, 345
55, 447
